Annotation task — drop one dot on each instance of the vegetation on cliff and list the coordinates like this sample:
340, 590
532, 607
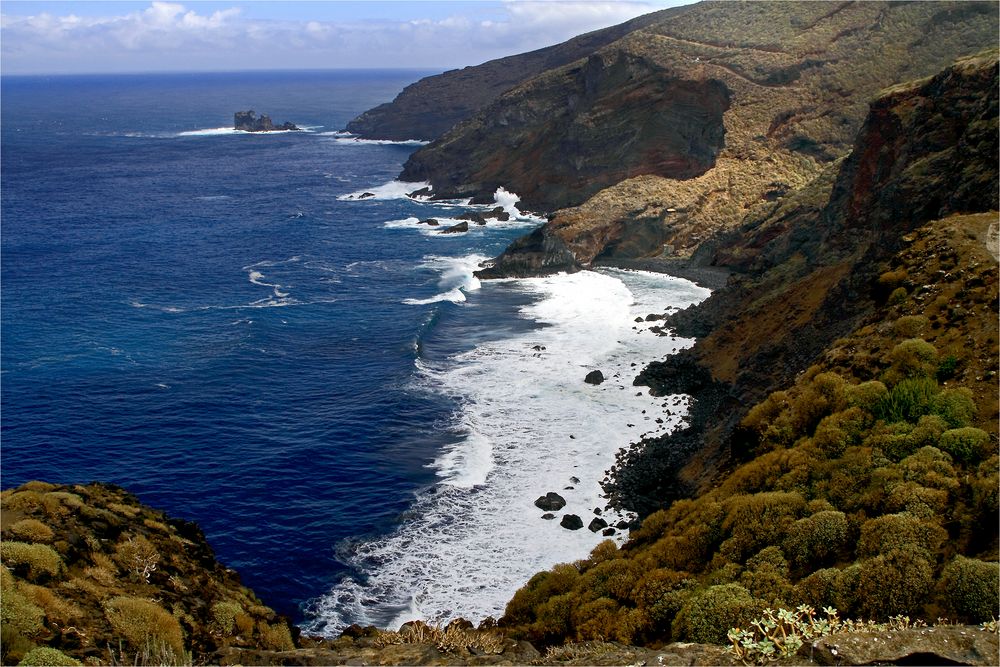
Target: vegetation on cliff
90, 575
850, 372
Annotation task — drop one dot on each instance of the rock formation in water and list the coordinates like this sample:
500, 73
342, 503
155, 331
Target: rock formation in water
249, 121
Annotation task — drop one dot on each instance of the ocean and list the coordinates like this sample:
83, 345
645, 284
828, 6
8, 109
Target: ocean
222, 324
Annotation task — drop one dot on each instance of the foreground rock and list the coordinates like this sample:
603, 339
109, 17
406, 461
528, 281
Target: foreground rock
249, 121
550, 502
594, 377
939, 645
456, 229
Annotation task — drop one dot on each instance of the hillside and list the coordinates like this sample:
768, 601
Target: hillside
843, 447
715, 110
431, 106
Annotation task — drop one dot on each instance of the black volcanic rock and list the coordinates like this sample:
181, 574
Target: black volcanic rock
456, 229
249, 121
597, 524
571, 522
594, 377
550, 502
429, 221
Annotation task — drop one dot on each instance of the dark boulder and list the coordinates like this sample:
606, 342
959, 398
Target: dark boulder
365, 195
473, 216
422, 192
456, 229
548, 516
608, 532
550, 502
594, 377
571, 522
498, 213
429, 221
596, 524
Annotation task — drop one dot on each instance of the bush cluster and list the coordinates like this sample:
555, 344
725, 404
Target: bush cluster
860, 495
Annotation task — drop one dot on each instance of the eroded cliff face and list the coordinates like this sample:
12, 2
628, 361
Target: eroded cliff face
580, 129
808, 267
431, 106
799, 77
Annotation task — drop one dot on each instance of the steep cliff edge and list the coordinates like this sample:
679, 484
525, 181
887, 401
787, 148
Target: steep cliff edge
808, 269
843, 449
431, 106
799, 77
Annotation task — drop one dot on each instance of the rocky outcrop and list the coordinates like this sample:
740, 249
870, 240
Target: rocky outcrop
798, 79
91, 572
808, 266
249, 121
431, 106
579, 129
551, 502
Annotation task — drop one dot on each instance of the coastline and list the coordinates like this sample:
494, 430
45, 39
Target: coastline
710, 277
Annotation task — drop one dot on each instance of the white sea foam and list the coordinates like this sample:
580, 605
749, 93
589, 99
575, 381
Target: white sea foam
526, 424
220, 131
456, 278
348, 138
390, 190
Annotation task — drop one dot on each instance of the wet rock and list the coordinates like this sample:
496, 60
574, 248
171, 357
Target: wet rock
571, 522
548, 516
429, 221
574, 479
594, 377
498, 213
596, 524
422, 192
473, 216
608, 532
366, 195
456, 229
550, 502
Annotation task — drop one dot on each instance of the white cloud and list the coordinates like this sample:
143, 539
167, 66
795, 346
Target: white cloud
169, 35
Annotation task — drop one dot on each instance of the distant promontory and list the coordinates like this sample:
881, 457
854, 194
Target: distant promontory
249, 121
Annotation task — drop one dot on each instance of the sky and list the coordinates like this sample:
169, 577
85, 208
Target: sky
41, 37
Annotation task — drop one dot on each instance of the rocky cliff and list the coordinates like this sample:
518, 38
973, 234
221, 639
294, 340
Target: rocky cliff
763, 94
807, 268
431, 106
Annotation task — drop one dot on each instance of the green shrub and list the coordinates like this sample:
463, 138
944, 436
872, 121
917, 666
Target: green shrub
43, 656
986, 489
17, 612
145, 625
224, 616
967, 445
914, 358
596, 620
35, 561
662, 593
903, 532
927, 431
894, 584
892, 440
836, 432
613, 579
946, 368
276, 637
917, 500
816, 539
757, 521
907, 401
910, 325
552, 617
865, 395
971, 589
956, 406
819, 589
930, 467
822, 396
898, 296
708, 615
31, 530
521, 609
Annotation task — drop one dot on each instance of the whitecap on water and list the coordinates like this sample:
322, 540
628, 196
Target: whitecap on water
390, 190
526, 423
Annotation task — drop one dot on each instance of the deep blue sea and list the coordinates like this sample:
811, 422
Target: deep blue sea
215, 321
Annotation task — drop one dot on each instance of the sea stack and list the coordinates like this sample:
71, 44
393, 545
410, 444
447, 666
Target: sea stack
249, 121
